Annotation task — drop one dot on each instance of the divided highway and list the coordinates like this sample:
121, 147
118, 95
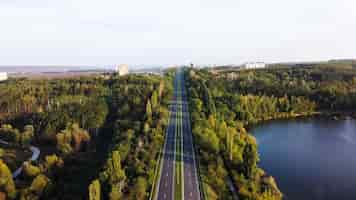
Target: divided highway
178, 174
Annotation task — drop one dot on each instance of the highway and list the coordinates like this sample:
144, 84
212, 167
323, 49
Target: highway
191, 185
178, 161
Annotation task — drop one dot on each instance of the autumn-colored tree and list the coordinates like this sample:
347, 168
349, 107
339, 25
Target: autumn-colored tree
51, 162
72, 139
30, 170
39, 184
7, 185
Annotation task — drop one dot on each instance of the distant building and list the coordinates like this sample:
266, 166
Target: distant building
122, 70
3, 76
255, 65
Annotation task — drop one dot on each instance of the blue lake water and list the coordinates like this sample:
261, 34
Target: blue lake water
311, 159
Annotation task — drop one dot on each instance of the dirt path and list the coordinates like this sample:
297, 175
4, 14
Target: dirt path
35, 154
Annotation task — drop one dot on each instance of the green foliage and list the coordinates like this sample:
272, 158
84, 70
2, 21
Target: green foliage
154, 100
225, 148
7, 185
140, 114
72, 139
148, 110
8, 133
139, 190
26, 136
129, 112
39, 184
51, 163
31, 96
38, 188
114, 175
94, 190
30, 170
330, 86
43, 176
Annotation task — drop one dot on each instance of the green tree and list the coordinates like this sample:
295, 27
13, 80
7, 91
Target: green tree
72, 139
114, 175
94, 190
9, 133
139, 191
39, 184
7, 184
148, 110
250, 156
31, 170
26, 136
154, 100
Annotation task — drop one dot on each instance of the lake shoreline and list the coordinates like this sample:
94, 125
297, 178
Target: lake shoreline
308, 153
333, 115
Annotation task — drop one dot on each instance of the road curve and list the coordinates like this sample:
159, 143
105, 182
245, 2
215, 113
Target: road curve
35, 154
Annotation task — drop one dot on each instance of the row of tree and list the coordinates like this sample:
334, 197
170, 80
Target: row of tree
330, 86
139, 110
226, 150
224, 100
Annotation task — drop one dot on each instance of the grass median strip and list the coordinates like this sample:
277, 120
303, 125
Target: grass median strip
179, 148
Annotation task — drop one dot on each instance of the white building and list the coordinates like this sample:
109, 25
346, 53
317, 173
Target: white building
255, 65
122, 70
3, 76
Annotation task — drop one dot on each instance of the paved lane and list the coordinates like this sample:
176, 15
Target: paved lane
166, 181
191, 185
179, 116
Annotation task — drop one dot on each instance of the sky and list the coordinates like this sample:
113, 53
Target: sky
165, 32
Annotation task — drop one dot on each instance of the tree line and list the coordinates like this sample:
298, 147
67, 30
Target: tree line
223, 101
106, 131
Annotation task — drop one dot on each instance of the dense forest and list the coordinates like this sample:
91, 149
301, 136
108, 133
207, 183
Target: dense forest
99, 136
225, 101
331, 86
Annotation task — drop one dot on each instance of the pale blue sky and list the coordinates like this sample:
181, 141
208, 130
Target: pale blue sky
88, 32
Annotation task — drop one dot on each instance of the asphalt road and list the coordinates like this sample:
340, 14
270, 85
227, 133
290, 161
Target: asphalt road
191, 185
166, 182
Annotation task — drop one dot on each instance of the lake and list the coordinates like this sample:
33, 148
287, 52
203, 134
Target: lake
311, 159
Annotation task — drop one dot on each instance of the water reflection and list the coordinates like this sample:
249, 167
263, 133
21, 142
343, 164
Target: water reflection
310, 159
